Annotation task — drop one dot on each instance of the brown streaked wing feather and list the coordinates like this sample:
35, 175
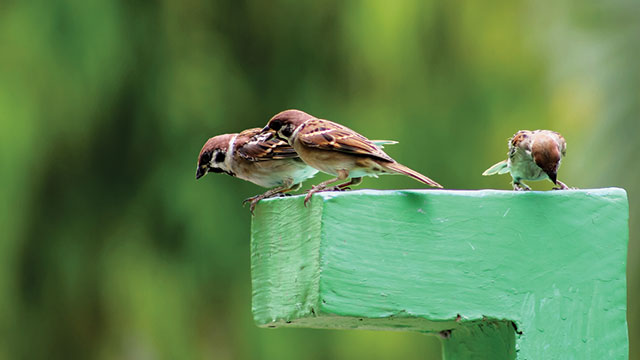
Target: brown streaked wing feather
563, 144
327, 135
518, 137
254, 146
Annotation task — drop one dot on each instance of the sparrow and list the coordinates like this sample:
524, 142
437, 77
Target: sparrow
533, 155
255, 156
336, 150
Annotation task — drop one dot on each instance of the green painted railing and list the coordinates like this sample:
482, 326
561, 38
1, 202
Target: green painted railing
494, 274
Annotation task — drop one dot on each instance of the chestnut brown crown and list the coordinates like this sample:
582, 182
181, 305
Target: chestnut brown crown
547, 156
286, 122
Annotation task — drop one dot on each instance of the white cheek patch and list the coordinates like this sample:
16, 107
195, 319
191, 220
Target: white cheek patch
214, 156
229, 156
295, 133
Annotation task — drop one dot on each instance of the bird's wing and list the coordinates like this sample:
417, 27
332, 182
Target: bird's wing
563, 144
519, 137
327, 135
257, 146
500, 168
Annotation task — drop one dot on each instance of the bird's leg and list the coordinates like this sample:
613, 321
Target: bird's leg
352, 182
292, 188
518, 186
314, 189
342, 174
287, 186
561, 186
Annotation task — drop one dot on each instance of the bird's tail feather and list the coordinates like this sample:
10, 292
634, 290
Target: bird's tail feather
382, 143
412, 173
500, 168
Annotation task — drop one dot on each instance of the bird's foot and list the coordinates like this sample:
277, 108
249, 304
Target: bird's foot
563, 186
308, 196
520, 187
317, 189
248, 200
253, 201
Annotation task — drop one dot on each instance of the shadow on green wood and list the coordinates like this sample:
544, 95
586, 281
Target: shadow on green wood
473, 267
481, 340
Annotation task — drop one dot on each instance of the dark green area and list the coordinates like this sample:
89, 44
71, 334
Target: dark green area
491, 340
111, 249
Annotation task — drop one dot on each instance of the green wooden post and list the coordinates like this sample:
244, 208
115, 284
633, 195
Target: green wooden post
496, 274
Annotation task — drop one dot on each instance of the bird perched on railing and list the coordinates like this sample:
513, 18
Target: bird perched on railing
258, 157
336, 150
533, 155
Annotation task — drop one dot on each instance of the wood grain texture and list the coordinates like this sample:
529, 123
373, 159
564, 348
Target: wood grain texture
553, 263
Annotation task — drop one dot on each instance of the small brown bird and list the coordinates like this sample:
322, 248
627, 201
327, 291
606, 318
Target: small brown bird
533, 155
255, 156
336, 150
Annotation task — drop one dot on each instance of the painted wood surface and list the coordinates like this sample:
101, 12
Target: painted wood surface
495, 274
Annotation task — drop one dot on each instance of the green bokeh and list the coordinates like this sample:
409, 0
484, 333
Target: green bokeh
111, 249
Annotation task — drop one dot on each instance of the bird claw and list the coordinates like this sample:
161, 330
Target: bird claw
563, 186
520, 187
253, 201
312, 191
308, 197
247, 200
253, 206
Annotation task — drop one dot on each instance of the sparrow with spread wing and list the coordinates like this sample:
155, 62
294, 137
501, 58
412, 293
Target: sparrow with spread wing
336, 150
533, 155
256, 156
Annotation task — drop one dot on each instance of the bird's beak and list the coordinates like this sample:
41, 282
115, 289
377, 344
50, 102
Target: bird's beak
265, 129
200, 172
553, 177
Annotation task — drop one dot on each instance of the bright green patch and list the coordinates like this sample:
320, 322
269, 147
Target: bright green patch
473, 267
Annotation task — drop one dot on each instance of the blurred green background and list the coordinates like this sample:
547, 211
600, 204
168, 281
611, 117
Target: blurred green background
111, 249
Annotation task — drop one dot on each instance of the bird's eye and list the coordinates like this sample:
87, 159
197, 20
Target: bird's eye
219, 157
275, 125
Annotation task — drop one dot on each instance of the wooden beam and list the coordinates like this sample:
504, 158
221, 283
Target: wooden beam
527, 275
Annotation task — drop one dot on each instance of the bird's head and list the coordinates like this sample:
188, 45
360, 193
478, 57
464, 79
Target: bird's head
547, 155
286, 122
212, 156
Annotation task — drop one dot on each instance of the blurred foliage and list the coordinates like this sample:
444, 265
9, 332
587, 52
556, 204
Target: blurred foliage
111, 249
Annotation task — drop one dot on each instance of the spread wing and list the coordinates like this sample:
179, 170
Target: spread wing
500, 168
256, 146
327, 135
